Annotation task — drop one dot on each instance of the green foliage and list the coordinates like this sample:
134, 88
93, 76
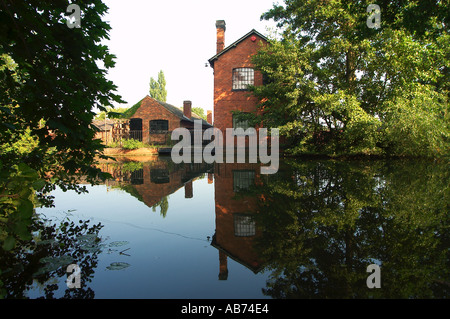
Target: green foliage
324, 222
20, 144
417, 124
163, 204
132, 144
111, 112
158, 88
17, 202
113, 144
131, 166
130, 111
45, 257
336, 86
200, 112
51, 80
49, 95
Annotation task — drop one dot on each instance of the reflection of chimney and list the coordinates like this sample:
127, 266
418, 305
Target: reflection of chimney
220, 27
223, 274
188, 190
210, 178
209, 117
187, 105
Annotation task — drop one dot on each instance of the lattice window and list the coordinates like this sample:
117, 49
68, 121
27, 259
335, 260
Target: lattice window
242, 78
243, 180
137, 177
244, 225
158, 126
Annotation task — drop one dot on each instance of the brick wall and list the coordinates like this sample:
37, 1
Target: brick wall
225, 99
227, 205
151, 110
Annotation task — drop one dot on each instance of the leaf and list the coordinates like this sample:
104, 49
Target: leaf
25, 209
118, 243
39, 184
9, 243
21, 230
118, 266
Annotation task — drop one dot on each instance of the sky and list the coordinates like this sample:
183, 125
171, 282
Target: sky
177, 37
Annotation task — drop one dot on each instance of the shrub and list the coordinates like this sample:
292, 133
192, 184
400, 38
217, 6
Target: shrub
132, 144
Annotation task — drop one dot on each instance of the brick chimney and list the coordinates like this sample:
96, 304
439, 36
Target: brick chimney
223, 266
187, 109
210, 178
188, 190
209, 117
220, 27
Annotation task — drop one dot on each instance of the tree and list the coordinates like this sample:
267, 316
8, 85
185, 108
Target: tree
335, 85
51, 82
199, 111
324, 222
158, 88
111, 112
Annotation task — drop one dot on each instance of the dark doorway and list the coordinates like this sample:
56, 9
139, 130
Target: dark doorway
136, 129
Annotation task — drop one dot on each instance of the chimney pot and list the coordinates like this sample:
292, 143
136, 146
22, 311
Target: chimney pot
220, 27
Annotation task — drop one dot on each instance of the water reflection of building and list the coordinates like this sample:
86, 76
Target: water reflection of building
235, 200
153, 180
235, 207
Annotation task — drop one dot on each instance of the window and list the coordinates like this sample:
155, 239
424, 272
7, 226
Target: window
242, 78
136, 124
159, 176
244, 225
237, 123
137, 177
243, 180
136, 129
157, 126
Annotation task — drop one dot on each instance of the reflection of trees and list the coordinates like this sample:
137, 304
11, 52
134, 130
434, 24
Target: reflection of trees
163, 204
45, 258
325, 222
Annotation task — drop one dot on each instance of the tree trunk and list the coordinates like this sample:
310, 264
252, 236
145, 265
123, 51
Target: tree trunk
351, 70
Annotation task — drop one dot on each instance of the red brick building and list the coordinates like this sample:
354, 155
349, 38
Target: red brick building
233, 72
153, 120
236, 230
156, 179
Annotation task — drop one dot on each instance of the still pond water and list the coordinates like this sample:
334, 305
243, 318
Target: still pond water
165, 231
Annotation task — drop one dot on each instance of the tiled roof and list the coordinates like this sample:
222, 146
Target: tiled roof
179, 112
100, 124
234, 44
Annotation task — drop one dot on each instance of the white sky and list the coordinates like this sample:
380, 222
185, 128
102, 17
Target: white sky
178, 37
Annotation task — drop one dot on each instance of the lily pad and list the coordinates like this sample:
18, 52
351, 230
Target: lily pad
91, 248
53, 263
118, 266
118, 243
61, 261
47, 241
88, 238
